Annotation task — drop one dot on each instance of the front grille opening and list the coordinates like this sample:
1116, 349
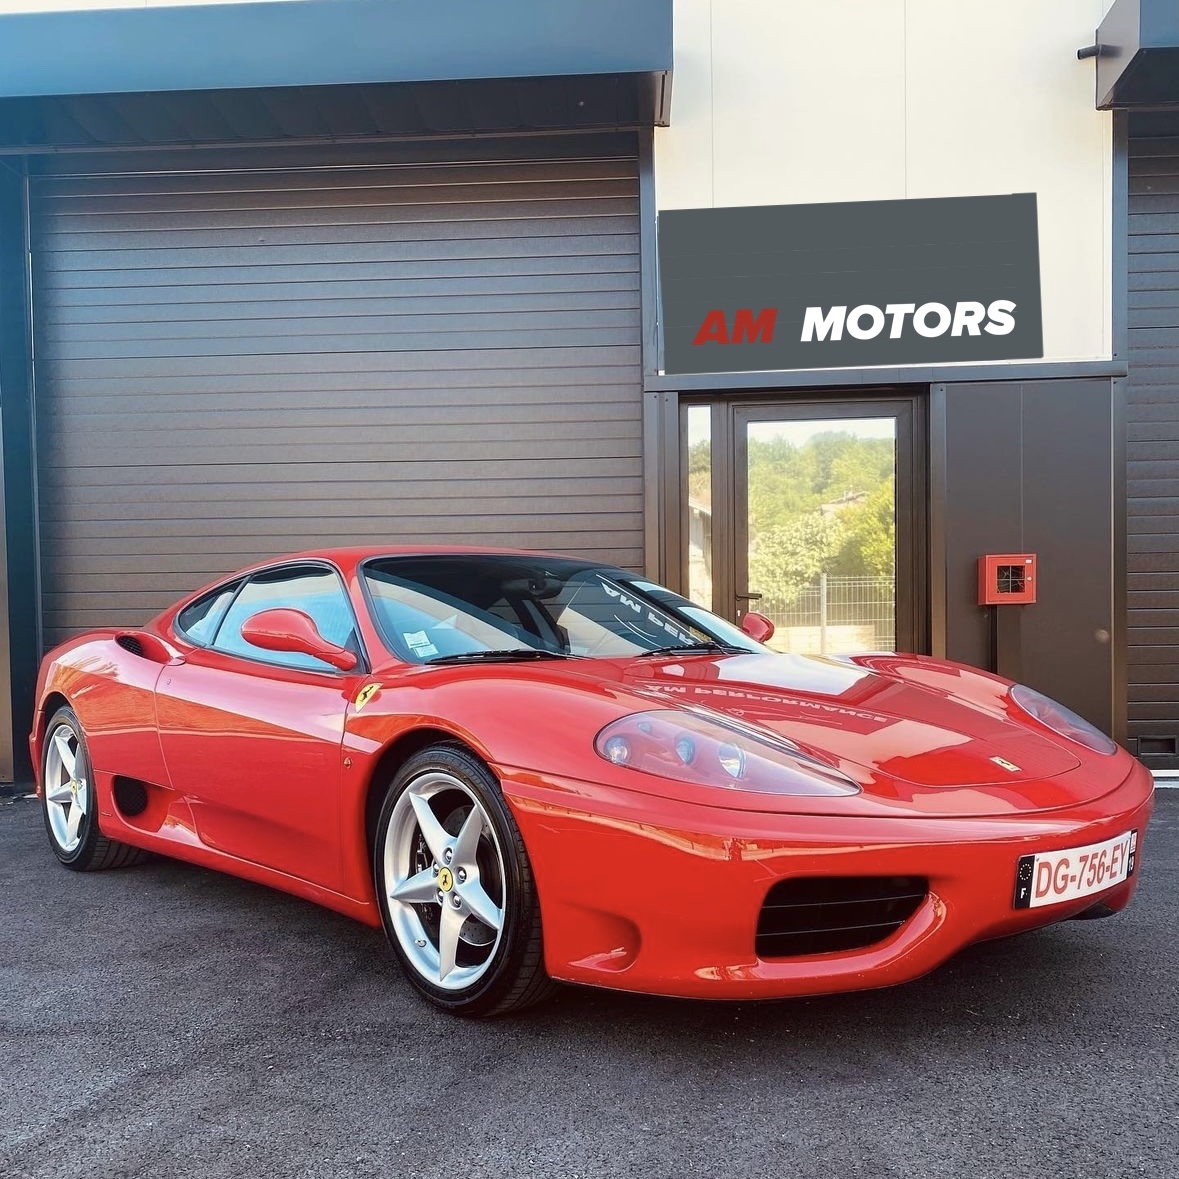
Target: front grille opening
825, 914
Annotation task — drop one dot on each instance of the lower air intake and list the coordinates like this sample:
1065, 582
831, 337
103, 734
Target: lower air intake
825, 914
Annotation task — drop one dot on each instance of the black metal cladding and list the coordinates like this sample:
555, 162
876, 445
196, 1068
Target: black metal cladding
825, 914
1152, 425
239, 363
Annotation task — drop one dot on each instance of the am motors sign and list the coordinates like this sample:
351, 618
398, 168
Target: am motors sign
932, 281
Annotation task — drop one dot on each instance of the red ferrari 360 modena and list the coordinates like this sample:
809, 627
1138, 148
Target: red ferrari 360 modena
531, 768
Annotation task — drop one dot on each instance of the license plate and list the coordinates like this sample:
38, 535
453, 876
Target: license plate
1051, 877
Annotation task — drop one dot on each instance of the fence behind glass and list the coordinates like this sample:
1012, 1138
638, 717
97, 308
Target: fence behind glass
820, 543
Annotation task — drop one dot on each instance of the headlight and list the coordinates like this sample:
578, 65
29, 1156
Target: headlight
1062, 720
712, 751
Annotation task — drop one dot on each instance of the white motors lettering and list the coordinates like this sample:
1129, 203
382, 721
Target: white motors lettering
942, 317
1000, 312
898, 311
816, 325
867, 321
855, 324
968, 317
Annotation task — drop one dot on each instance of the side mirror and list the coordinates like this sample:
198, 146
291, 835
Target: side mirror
292, 630
758, 627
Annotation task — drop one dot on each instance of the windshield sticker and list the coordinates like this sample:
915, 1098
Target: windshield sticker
643, 613
419, 644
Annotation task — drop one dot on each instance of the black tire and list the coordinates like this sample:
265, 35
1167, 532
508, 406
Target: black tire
508, 968
86, 849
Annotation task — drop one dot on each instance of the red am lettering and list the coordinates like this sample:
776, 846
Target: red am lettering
747, 327
713, 330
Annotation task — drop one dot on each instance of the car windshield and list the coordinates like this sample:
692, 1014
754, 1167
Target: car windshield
441, 608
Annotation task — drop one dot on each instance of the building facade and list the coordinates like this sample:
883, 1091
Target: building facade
274, 275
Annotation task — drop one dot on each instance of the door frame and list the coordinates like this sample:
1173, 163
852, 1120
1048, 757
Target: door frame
729, 523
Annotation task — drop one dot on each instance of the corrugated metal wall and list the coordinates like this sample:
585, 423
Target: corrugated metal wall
236, 364
1152, 447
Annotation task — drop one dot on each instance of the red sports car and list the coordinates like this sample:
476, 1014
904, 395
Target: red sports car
531, 768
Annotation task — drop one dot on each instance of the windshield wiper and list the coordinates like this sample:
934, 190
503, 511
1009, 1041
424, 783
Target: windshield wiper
511, 655
708, 646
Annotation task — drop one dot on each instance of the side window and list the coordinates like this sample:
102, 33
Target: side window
316, 591
199, 621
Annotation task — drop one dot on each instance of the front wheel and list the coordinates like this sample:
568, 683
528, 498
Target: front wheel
455, 887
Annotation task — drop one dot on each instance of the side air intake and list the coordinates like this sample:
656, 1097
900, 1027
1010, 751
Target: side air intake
146, 646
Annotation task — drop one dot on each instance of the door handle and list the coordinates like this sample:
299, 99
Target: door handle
748, 596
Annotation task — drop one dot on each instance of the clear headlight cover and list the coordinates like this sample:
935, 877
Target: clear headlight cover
1062, 721
712, 751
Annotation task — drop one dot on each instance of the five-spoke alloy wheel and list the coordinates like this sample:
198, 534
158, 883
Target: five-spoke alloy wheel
69, 801
455, 886
67, 788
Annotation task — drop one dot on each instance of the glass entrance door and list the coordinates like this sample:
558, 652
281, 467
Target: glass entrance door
820, 547
813, 513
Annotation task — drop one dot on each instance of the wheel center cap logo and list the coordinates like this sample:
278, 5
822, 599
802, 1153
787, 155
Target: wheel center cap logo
445, 879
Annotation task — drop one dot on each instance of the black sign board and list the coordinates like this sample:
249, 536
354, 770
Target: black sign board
930, 281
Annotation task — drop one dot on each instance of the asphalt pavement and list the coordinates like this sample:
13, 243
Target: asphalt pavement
164, 1021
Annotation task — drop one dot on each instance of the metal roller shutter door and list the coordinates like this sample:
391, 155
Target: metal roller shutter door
232, 365
1152, 447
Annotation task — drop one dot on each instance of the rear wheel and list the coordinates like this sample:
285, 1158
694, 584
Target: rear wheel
455, 887
69, 802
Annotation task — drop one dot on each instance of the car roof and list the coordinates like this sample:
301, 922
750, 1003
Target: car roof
347, 557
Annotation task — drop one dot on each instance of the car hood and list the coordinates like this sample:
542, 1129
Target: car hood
919, 733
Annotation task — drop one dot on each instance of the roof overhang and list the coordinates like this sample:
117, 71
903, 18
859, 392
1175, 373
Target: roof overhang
330, 69
1138, 56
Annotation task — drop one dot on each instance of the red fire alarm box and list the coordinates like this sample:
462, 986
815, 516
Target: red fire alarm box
1007, 579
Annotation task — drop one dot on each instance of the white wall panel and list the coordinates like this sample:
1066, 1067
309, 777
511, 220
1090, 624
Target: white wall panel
998, 102
684, 163
790, 83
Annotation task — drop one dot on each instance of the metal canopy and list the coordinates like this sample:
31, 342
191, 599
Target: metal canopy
330, 69
327, 43
1138, 55
340, 114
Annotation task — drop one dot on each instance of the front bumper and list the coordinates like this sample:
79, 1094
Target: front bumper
663, 898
